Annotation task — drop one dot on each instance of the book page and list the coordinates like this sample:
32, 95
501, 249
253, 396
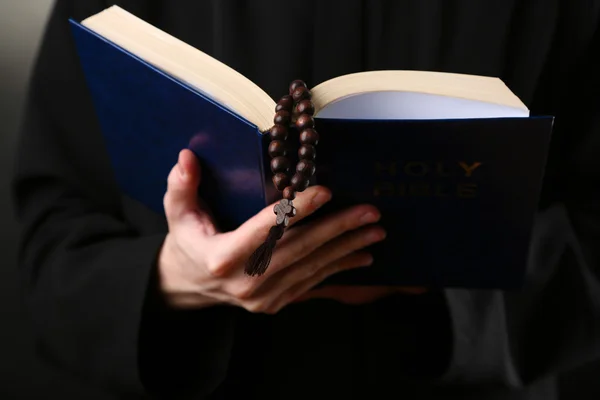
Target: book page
413, 105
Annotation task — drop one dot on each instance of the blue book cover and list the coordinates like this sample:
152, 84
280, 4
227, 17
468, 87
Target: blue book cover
458, 197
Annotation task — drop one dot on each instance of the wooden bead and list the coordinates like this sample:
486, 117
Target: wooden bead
306, 168
281, 181
309, 136
282, 117
289, 193
277, 148
301, 93
302, 118
280, 164
307, 152
299, 182
296, 84
278, 132
305, 121
285, 103
305, 107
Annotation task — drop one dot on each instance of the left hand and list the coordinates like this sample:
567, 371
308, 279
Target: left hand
356, 295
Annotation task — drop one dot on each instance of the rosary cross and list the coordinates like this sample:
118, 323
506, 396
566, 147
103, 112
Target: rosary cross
284, 210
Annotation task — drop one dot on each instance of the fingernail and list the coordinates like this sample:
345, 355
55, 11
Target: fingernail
369, 217
376, 235
321, 198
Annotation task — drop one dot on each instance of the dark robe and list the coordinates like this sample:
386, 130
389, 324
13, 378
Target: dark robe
88, 255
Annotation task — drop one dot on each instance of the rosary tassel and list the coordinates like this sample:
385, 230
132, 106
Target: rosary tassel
261, 258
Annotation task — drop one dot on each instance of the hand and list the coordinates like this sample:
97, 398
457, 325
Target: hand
200, 267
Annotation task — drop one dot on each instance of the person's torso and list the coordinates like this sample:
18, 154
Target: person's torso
325, 350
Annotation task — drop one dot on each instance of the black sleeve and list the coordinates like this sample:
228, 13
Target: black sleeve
88, 256
553, 324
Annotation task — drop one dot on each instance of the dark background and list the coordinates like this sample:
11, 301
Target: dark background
22, 376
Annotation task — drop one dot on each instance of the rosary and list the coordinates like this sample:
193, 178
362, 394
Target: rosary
295, 108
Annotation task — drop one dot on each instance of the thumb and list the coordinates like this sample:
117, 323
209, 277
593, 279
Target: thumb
182, 187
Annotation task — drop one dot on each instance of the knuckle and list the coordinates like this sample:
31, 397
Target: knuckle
172, 179
242, 291
263, 306
304, 247
254, 307
316, 267
171, 176
218, 267
308, 270
251, 307
167, 204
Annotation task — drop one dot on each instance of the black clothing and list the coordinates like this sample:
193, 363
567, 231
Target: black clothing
88, 255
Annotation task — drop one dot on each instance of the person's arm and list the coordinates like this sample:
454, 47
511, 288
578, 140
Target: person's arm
88, 267
136, 302
553, 324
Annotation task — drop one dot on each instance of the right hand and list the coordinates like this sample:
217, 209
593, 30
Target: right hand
201, 267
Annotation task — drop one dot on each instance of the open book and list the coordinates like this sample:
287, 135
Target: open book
455, 162
365, 95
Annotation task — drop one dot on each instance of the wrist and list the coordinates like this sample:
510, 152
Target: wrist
174, 280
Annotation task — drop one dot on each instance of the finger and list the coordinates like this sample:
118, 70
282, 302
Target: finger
303, 240
182, 187
358, 294
253, 232
301, 289
349, 295
326, 255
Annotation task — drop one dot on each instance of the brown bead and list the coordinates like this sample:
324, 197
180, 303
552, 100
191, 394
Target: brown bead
299, 182
285, 103
278, 132
301, 93
296, 84
309, 136
305, 107
307, 152
281, 180
277, 148
306, 168
305, 121
289, 193
280, 164
282, 117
